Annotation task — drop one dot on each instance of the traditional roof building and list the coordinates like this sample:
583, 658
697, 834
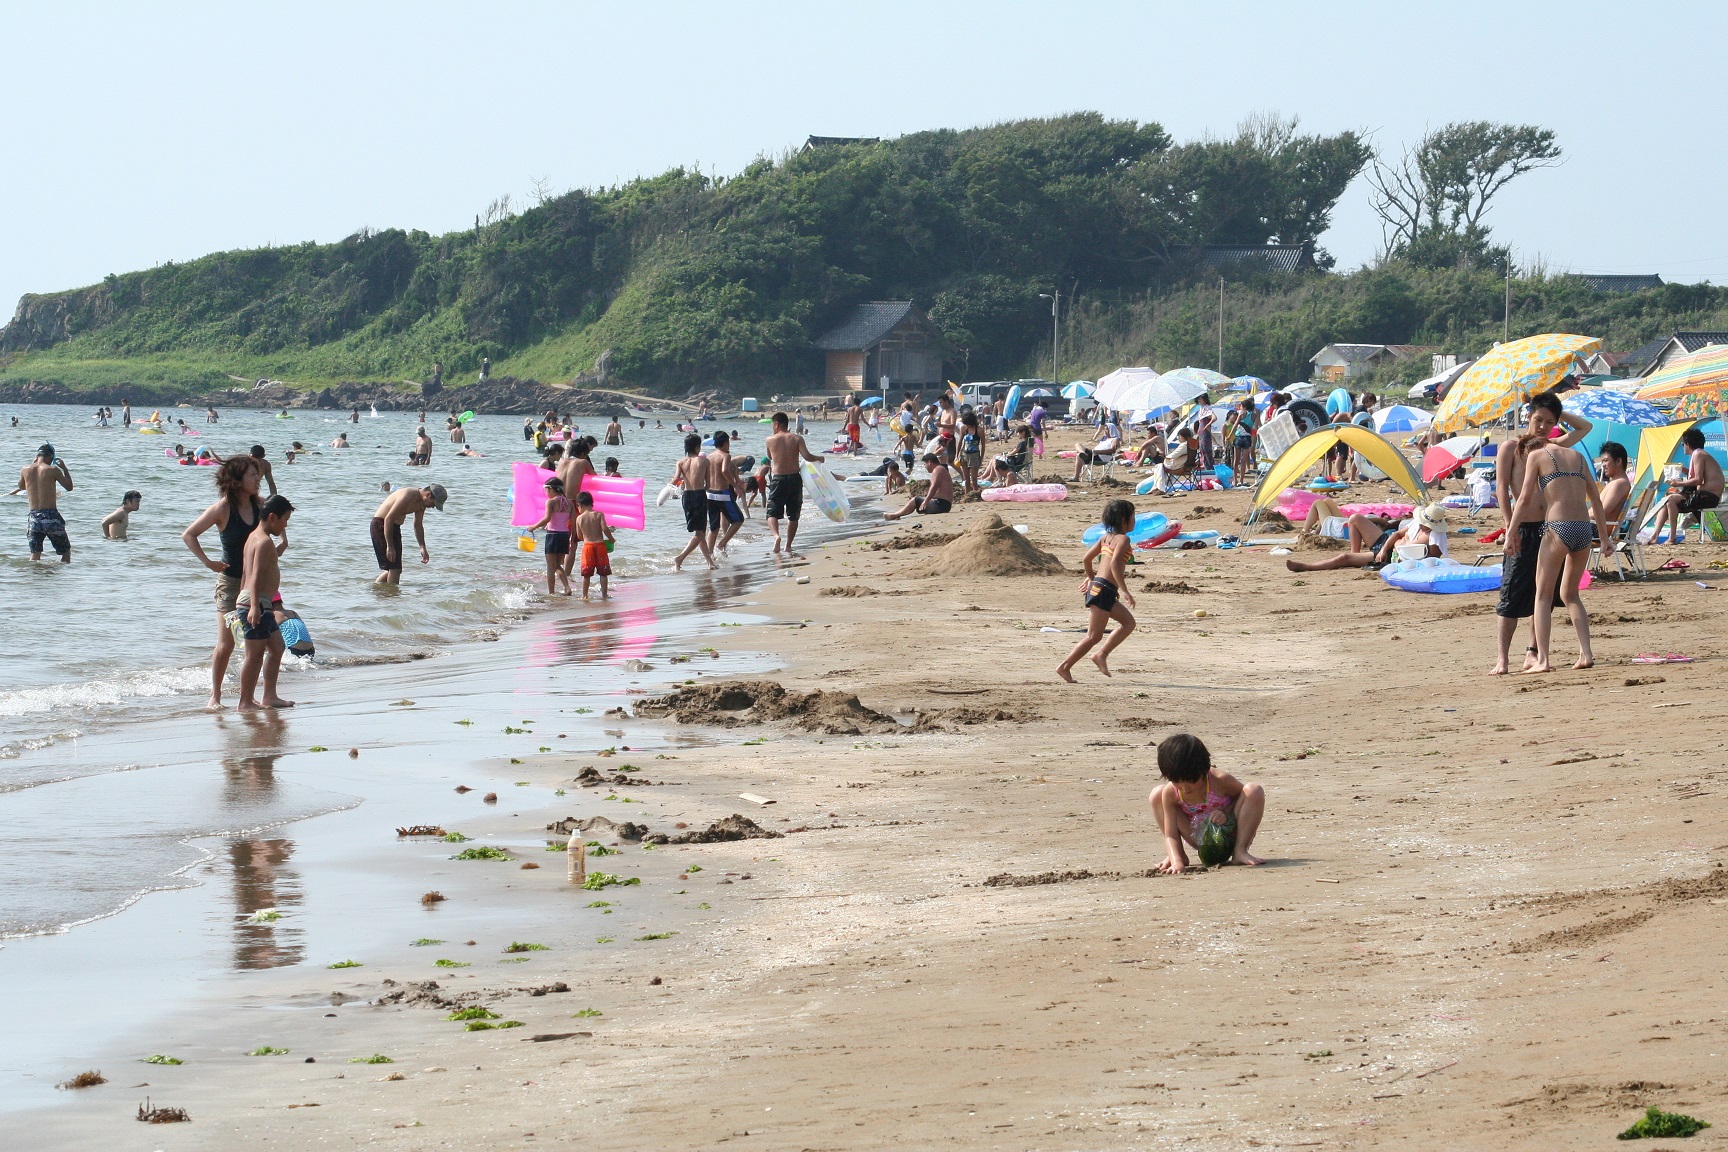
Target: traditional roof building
1338, 362
1679, 344
1621, 283
882, 338
1276, 257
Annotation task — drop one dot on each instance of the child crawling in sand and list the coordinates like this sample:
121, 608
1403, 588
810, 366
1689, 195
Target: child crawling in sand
1213, 812
1105, 589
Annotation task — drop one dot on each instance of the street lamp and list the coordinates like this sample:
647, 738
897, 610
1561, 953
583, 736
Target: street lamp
1055, 334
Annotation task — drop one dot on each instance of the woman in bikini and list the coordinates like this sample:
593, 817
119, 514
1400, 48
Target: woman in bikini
1559, 490
1105, 590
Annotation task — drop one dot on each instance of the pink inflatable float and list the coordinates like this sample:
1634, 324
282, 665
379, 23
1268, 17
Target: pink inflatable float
1390, 511
1027, 492
618, 498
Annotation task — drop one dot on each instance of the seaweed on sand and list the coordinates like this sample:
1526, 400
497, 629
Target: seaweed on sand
449, 964
346, 964
432, 898
587, 1012
266, 1050
487, 1025
375, 1058
518, 946
1656, 1123
475, 1013
599, 880
161, 1059
483, 852
151, 1114
83, 1080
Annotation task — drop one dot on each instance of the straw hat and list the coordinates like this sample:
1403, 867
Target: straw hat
1432, 516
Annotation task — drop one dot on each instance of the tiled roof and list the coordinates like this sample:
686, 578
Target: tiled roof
864, 325
1646, 351
1621, 283
1283, 257
832, 141
1692, 341
1410, 349
1353, 353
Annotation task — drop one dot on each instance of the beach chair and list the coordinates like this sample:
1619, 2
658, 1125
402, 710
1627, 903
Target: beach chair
1626, 543
1104, 465
1023, 474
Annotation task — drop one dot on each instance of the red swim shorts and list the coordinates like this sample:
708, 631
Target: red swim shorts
595, 561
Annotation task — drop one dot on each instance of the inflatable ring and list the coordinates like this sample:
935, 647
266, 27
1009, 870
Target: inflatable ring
1169, 533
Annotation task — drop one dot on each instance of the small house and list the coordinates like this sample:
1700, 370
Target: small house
1267, 257
882, 338
1337, 363
1679, 344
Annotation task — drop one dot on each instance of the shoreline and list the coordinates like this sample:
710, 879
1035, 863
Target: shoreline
964, 948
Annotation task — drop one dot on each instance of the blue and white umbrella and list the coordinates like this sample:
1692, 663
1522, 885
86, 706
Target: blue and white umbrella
1616, 407
1401, 418
1249, 384
1079, 389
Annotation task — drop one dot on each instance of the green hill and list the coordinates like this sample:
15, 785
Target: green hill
684, 281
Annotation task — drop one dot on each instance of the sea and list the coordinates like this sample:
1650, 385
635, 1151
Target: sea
98, 654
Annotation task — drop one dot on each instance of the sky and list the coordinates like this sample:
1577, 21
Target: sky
142, 133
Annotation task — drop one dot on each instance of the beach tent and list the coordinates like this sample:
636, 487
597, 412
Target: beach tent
1655, 448
1303, 454
1112, 386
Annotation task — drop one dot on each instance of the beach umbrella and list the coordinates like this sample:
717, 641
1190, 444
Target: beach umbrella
870, 400
1169, 391
1078, 389
1209, 380
1444, 457
1507, 376
1702, 372
1401, 418
1249, 384
1614, 407
1041, 394
1701, 405
1110, 387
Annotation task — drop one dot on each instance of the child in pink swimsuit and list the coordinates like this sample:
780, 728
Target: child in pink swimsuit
1213, 812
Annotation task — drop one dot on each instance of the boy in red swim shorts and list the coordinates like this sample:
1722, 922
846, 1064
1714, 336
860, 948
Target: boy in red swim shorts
596, 535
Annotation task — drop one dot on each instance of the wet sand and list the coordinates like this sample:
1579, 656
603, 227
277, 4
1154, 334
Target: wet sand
1490, 918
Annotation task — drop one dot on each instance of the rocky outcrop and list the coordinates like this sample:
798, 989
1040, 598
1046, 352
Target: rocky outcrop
42, 321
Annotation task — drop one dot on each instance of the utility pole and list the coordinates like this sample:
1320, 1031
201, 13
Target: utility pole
1506, 322
1220, 325
1055, 333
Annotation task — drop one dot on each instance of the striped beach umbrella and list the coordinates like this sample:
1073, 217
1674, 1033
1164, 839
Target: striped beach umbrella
1696, 373
1400, 418
1508, 375
1614, 407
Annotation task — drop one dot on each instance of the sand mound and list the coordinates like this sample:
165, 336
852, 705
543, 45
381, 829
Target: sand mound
599, 826
913, 539
760, 701
953, 719
1178, 587
1321, 544
733, 827
847, 590
989, 548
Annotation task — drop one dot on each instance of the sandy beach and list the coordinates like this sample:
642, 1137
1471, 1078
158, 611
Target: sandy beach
1489, 916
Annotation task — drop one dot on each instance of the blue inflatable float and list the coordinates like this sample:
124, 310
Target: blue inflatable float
1147, 526
1440, 576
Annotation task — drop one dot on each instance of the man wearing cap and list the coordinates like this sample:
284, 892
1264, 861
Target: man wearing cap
45, 522
387, 527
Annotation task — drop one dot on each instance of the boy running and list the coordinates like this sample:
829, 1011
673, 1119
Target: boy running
691, 474
723, 485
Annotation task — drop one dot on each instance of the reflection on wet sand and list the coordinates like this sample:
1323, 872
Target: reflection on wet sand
263, 881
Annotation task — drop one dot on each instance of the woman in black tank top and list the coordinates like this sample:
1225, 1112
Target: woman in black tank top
237, 480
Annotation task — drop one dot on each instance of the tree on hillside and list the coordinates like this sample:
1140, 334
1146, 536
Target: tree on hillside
1432, 200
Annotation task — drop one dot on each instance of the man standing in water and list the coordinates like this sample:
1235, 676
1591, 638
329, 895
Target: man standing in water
125, 413
116, 523
257, 602
724, 515
854, 423
38, 479
785, 486
615, 431
387, 527
264, 468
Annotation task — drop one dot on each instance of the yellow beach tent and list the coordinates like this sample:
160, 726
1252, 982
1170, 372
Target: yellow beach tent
1375, 449
1655, 447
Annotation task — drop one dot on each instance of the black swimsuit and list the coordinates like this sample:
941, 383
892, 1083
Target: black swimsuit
234, 532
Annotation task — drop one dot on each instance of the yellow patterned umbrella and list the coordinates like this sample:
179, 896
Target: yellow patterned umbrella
1509, 375
1702, 405
1704, 372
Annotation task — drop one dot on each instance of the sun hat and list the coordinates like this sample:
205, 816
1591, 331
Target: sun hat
1432, 516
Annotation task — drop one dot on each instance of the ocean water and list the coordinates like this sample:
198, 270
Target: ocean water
97, 653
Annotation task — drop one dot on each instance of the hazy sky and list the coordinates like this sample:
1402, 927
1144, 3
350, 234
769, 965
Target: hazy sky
139, 133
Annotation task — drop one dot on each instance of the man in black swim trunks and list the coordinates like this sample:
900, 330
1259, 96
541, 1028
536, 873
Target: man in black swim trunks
938, 499
785, 450
387, 527
1700, 491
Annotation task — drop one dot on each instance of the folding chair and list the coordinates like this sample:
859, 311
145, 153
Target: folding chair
1626, 542
1099, 463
